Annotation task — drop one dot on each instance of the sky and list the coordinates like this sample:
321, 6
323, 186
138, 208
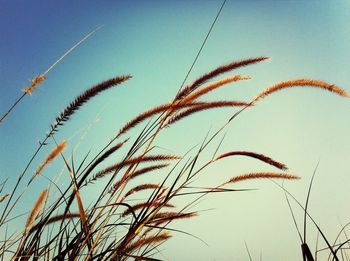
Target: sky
156, 42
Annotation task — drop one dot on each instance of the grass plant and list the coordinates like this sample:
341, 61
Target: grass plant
127, 221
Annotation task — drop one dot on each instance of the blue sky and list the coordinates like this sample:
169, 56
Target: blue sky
156, 42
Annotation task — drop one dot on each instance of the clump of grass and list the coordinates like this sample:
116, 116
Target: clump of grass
62, 231
125, 221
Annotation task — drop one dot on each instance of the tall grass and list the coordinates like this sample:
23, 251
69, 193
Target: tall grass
125, 221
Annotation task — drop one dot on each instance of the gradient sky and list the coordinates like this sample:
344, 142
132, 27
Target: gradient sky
156, 42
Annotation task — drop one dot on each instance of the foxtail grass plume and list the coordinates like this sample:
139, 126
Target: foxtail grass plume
201, 107
300, 83
143, 116
3, 197
141, 171
141, 188
145, 205
213, 86
167, 216
220, 70
135, 160
261, 175
151, 112
56, 219
157, 238
53, 154
261, 157
34, 84
35, 211
86, 96
104, 156
137, 173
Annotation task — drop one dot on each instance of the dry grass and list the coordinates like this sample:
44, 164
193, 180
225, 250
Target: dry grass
302, 83
53, 154
35, 211
125, 220
261, 175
